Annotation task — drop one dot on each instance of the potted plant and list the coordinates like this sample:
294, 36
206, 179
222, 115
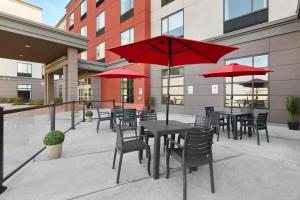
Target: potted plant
292, 105
89, 115
150, 103
53, 141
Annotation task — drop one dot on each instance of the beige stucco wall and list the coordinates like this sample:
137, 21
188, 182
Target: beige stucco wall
203, 19
22, 9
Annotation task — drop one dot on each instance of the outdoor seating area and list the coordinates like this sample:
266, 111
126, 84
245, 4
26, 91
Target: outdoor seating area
233, 169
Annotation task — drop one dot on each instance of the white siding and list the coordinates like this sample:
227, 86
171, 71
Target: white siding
21, 9
279, 9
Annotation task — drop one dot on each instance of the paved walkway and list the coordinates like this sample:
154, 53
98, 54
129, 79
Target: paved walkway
243, 170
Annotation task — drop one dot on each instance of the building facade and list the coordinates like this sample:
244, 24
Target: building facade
21, 78
108, 24
267, 33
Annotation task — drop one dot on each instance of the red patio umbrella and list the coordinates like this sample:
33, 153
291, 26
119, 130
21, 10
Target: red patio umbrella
233, 70
120, 73
171, 51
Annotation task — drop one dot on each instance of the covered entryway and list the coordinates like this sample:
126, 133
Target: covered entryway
25, 40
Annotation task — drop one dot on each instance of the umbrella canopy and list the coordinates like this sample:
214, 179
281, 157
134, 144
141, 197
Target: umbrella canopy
255, 83
120, 73
233, 70
171, 51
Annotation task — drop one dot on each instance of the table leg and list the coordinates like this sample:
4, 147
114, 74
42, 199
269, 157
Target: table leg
156, 157
141, 133
234, 126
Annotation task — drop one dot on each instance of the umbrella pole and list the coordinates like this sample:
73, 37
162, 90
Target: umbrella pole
252, 105
168, 88
231, 102
122, 94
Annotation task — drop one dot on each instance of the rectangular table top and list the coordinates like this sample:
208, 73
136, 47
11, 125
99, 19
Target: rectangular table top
234, 113
160, 127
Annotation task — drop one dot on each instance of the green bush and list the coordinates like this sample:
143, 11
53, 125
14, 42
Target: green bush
4, 100
54, 138
89, 113
12, 100
150, 102
19, 103
58, 100
292, 106
37, 102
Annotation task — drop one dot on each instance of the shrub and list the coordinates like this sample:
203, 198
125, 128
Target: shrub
54, 138
37, 102
292, 106
4, 100
150, 102
89, 113
57, 100
19, 103
12, 99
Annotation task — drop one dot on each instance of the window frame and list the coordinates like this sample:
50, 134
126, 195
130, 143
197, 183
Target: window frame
83, 15
167, 17
98, 58
22, 74
176, 86
71, 19
100, 30
252, 11
128, 30
253, 77
30, 98
84, 28
130, 90
127, 14
165, 2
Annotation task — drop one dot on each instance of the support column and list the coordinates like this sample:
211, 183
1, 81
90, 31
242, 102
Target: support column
96, 89
72, 75
49, 87
65, 83
45, 88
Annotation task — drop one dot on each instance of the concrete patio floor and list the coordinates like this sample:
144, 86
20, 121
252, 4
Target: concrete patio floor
242, 170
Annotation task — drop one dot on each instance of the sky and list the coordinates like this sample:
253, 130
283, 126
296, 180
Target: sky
53, 10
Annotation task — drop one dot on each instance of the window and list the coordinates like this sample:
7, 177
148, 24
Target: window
60, 91
99, 2
24, 70
84, 89
243, 93
176, 85
165, 2
100, 52
71, 21
24, 92
83, 31
126, 5
126, 9
100, 27
237, 8
83, 55
83, 9
173, 24
128, 90
127, 37
43, 72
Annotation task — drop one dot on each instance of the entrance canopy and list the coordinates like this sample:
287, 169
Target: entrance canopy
26, 40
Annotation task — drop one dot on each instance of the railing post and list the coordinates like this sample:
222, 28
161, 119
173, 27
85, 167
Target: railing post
83, 111
73, 115
53, 117
2, 188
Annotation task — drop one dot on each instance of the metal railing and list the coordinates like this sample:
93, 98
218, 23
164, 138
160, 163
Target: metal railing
68, 106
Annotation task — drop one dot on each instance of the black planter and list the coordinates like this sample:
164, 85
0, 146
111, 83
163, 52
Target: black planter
293, 125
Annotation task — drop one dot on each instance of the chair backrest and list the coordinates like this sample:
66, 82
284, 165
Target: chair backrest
148, 116
246, 110
119, 141
208, 110
144, 109
215, 118
262, 119
202, 122
129, 115
198, 146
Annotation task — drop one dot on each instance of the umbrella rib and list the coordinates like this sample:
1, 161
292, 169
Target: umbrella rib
156, 48
195, 50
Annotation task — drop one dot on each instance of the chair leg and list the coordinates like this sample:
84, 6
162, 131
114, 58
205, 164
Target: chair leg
165, 142
140, 158
212, 182
119, 168
98, 125
149, 159
267, 134
184, 182
258, 142
114, 161
218, 133
168, 164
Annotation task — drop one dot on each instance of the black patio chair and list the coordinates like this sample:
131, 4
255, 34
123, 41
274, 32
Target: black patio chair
128, 120
103, 116
216, 123
196, 151
211, 109
150, 116
202, 122
127, 145
257, 124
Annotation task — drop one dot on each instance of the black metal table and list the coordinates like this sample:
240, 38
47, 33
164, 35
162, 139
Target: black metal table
233, 118
159, 129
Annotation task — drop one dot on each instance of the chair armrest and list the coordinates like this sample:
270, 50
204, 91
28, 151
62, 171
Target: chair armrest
104, 113
175, 143
134, 137
191, 124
